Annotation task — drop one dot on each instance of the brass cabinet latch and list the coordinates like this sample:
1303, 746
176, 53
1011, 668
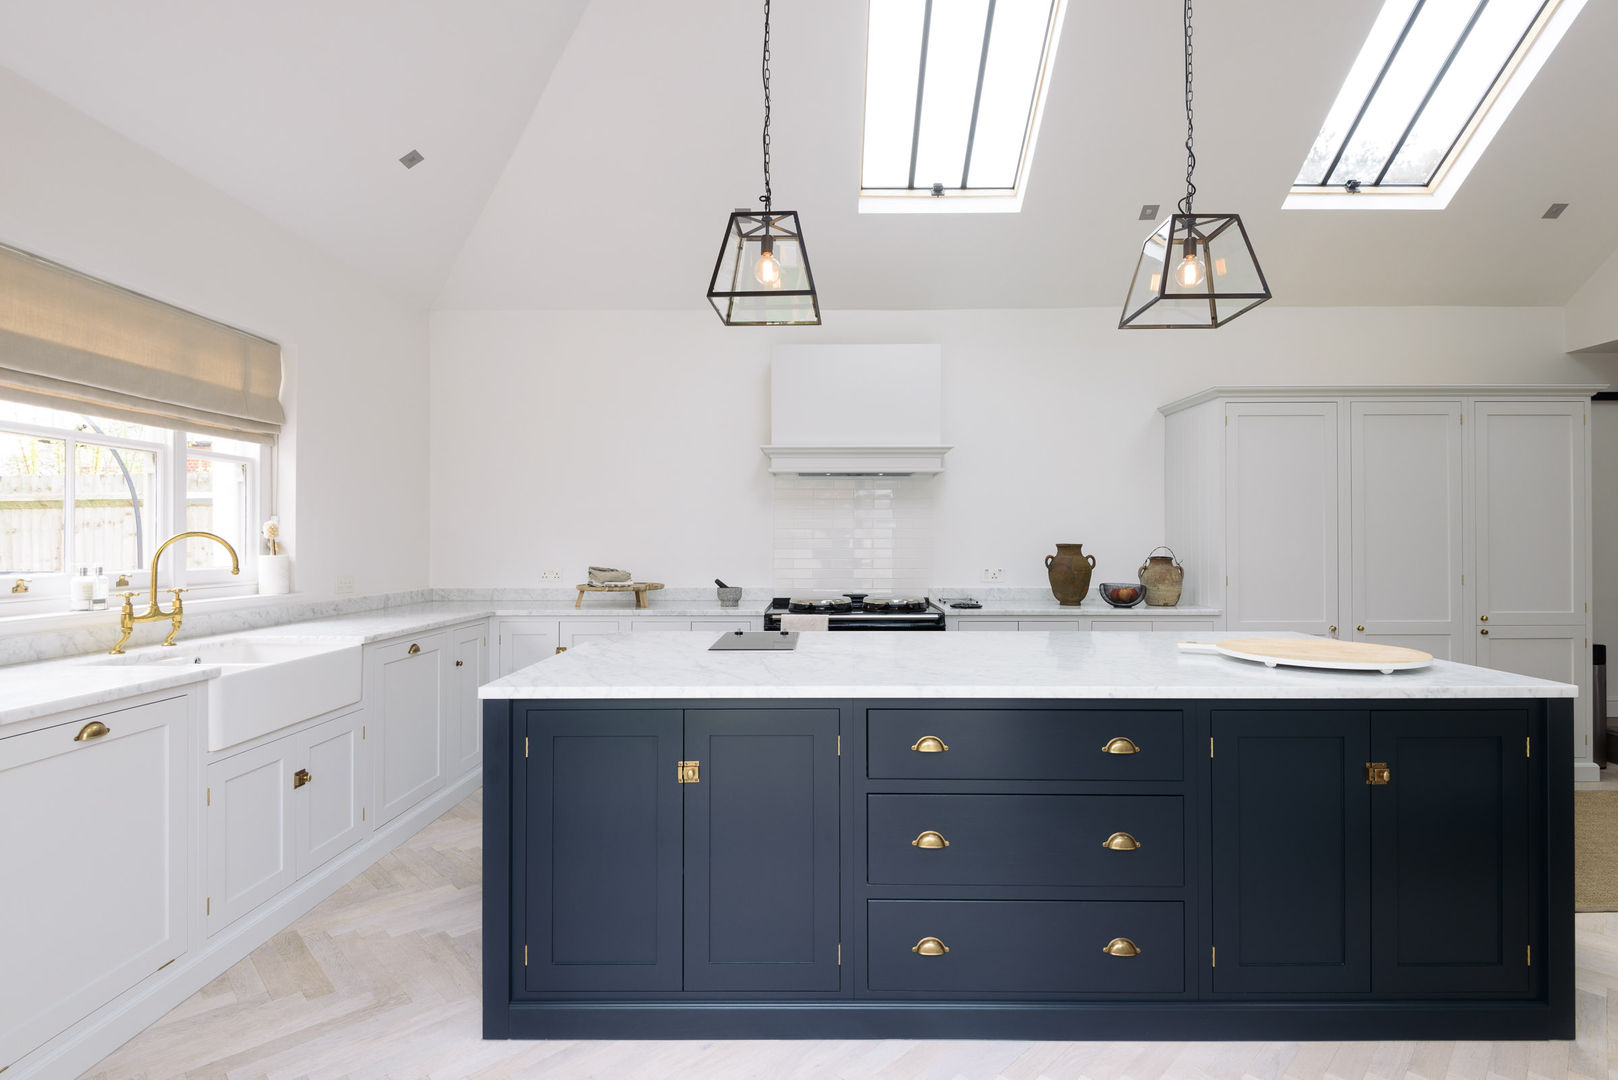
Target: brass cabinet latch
1377, 772
689, 772
300, 778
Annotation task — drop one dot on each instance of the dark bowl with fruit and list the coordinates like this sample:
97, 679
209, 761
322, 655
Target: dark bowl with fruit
1122, 594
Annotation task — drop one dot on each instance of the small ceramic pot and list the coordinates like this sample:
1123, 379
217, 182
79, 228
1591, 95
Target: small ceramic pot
729, 596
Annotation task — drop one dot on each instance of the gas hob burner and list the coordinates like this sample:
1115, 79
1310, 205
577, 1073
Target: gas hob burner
895, 604
812, 606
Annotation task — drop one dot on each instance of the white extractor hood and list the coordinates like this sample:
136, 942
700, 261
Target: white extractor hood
856, 410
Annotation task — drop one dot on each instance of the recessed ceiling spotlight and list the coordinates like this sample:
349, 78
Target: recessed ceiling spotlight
411, 160
1555, 211
1148, 211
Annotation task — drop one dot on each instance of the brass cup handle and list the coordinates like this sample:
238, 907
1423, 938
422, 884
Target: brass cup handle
1121, 745
1121, 946
413, 650
930, 840
1121, 841
300, 778
929, 946
93, 730
929, 744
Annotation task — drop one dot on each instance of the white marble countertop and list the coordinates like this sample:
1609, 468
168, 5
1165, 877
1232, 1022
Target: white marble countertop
29, 691
1066, 664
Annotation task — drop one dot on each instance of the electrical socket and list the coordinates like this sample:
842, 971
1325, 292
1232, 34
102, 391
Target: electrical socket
550, 575
993, 575
345, 584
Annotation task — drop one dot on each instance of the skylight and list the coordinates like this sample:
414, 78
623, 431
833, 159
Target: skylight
1430, 87
953, 95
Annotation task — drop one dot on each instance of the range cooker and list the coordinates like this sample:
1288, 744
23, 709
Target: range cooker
860, 611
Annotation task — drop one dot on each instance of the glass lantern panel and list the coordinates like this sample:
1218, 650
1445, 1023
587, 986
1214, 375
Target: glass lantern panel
1230, 259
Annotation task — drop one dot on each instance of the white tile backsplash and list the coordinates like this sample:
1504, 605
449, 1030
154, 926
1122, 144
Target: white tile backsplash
871, 533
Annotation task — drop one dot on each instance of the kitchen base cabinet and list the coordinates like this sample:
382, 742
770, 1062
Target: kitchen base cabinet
413, 692
94, 894
469, 655
1011, 869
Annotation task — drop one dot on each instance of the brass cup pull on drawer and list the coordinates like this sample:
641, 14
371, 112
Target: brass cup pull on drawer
1121, 841
1121, 946
1121, 745
93, 730
929, 946
930, 840
300, 778
929, 744
414, 649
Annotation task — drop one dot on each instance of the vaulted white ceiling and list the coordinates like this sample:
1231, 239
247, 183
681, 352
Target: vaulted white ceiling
585, 154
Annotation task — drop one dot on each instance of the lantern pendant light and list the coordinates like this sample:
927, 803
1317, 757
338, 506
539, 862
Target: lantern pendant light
762, 277
1196, 271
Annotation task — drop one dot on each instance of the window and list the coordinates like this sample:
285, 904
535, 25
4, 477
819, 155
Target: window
954, 91
1430, 87
78, 490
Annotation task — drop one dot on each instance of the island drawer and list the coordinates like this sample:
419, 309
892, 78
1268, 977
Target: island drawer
1025, 744
1103, 841
1039, 947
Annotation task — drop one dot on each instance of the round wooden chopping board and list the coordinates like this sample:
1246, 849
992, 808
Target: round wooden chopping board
1317, 653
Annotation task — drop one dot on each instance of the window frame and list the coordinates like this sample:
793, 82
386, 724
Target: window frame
48, 592
963, 200
1519, 70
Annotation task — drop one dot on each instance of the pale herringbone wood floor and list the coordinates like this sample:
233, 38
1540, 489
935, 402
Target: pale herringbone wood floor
381, 982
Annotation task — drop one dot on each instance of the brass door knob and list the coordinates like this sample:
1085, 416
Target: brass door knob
1484, 631
1484, 618
414, 649
1361, 629
929, 744
930, 840
1121, 745
93, 730
1120, 841
1333, 629
929, 946
1121, 946
561, 648
300, 778
460, 663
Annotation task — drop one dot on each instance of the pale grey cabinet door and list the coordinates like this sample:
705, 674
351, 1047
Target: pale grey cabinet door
1282, 516
1532, 519
413, 693
1407, 526
524, 641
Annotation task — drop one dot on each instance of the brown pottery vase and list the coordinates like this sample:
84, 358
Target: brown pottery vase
1069, 571
1163, 576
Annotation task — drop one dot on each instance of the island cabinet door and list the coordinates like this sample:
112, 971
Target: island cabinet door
597, 851
1450, 872
761, 851
1291, 899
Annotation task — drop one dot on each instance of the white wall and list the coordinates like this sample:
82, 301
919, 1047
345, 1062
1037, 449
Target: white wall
1592, 314
564, 438
355, 393
1604, 484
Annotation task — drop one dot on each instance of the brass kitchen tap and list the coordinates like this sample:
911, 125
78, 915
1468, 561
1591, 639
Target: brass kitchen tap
154, 611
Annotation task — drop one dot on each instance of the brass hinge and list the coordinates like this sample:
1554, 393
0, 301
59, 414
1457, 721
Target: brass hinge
362, 813
1213, 956
1530, 956
210, 797
362, 731
208, 906
688, 772
839, 746
525, 746
525, 956
839, 954
159, 969
1210, 747
1463, 579
1377, 773
1528, 746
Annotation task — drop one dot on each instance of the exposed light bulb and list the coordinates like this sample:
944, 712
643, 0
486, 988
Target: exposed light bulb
767, 270
1189, 273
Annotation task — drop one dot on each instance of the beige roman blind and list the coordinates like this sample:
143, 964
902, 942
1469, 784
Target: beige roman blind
71, 341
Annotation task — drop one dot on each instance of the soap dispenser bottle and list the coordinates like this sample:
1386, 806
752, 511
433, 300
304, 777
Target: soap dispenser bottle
81, 592
101, 590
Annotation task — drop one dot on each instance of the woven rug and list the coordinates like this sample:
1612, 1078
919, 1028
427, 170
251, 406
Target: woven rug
1595, 850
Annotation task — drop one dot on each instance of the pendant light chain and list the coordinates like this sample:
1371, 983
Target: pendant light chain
765, 198
1190, 131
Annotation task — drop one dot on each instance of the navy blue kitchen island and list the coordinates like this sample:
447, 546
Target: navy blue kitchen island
671, 853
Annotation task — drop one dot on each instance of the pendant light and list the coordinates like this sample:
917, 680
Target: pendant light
1195, 271
762, 277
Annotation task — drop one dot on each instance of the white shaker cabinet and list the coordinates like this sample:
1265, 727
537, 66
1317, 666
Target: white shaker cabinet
413, 697
330, 814
1281, 516
1407, 527
469, 649
94, 816
523, 640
